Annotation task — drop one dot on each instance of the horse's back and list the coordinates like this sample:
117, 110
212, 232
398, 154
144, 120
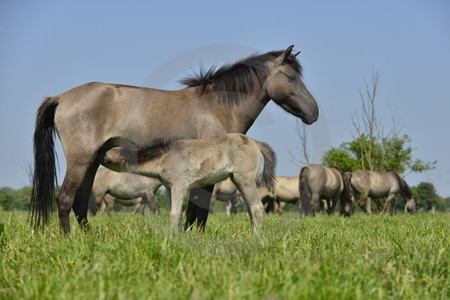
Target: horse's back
286, 188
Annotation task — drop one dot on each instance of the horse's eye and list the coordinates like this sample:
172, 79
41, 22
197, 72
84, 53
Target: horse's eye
291, 78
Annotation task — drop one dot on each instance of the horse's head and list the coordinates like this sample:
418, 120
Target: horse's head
411, 205
285, 86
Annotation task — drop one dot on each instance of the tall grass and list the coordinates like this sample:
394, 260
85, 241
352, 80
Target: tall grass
125, 257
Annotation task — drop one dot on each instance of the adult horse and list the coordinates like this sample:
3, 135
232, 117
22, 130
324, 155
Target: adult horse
225, 191
319, 182
376, 185
285, 191
107, 203
99, 116
125, 188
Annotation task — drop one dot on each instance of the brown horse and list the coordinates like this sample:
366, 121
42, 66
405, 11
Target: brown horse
186, 164
96, 116
372, 184
125, 188
318, 182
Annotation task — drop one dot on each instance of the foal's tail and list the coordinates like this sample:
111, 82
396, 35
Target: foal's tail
44, 176
270, 162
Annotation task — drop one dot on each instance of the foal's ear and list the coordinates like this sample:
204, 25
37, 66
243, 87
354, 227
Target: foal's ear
285, 54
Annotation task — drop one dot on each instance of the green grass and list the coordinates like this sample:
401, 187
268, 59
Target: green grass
125, 257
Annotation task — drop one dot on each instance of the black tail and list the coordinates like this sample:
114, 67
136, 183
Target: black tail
44, 176
270, 163
346, 198
305, 192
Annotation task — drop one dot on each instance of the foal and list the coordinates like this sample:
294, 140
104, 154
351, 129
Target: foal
185, 164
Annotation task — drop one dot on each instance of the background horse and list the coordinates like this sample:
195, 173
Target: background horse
95, 117
107, 204
186, 164
319, 182
225, 191
285, 191
379, 185
127, 188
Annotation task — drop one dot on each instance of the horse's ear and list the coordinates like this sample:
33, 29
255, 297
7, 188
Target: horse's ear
285, 54
295, 55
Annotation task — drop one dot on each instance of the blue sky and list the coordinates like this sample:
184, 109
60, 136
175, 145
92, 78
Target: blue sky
48, 47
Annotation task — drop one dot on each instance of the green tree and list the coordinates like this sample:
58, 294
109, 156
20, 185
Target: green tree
11, 199
371, 148
427, 197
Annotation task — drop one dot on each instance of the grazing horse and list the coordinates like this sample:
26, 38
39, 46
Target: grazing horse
124, 188
285, 191
107, 203
318, 182
379, 185
96, 117
225, 191
185, 164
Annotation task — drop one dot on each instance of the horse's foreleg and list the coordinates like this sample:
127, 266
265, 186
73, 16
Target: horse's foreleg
387, 204
177, 195
362, 202
198, 207
333, 203
151, 200
140, 206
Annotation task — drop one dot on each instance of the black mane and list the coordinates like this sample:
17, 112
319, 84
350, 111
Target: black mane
231, 81
404, 187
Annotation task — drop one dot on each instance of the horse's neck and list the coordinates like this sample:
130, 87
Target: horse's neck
245, 113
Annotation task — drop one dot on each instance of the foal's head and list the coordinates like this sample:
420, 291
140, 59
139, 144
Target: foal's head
285, 86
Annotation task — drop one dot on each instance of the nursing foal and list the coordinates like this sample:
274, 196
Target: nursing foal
185, 164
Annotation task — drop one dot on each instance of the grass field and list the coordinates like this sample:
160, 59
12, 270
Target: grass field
125, 257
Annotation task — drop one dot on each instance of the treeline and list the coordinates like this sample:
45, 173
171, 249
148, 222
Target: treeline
425, 194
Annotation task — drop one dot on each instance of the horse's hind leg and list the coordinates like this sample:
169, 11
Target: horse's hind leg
255, 207
81, 203
74, 194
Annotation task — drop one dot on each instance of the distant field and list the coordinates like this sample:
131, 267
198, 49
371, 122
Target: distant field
125, 257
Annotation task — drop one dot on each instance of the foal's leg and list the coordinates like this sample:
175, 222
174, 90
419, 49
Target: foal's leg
249, 192
176, 195
254, 204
